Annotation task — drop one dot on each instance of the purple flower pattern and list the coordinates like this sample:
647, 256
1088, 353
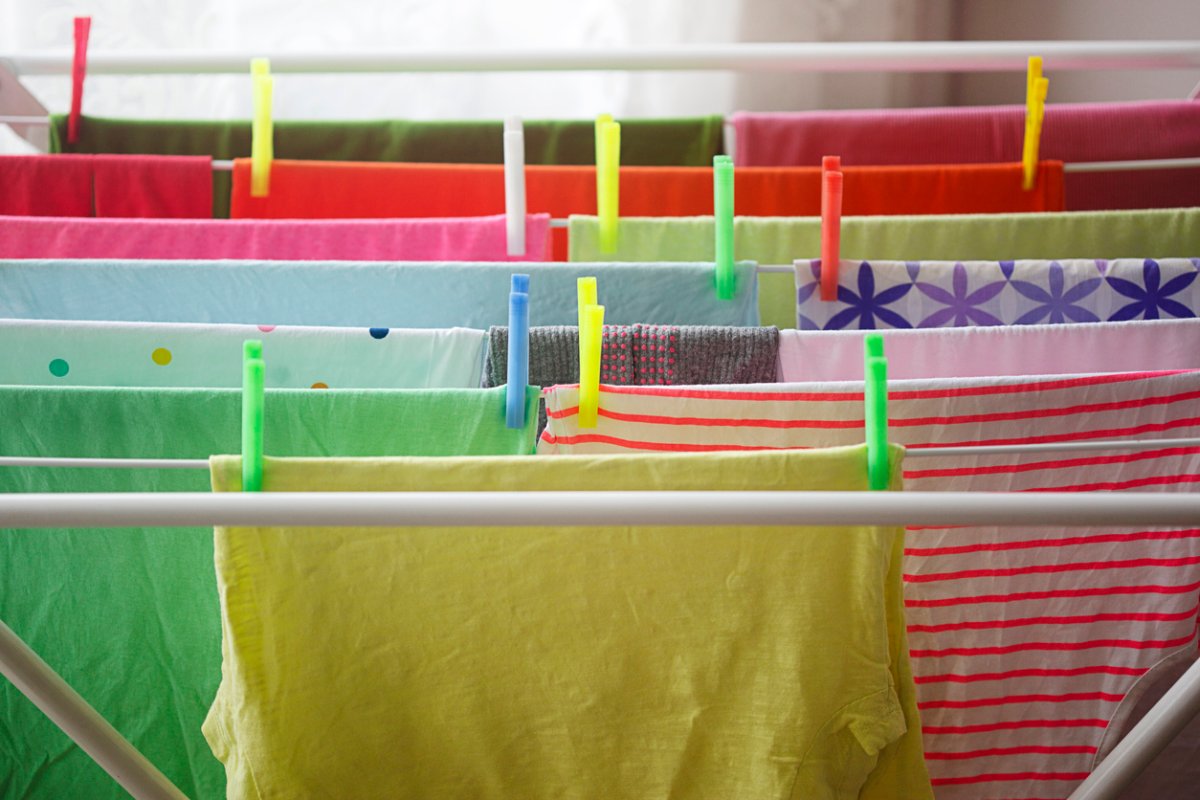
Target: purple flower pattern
1000, 293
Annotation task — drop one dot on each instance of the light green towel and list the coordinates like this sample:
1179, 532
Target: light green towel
958, 237
566, 662
129, 617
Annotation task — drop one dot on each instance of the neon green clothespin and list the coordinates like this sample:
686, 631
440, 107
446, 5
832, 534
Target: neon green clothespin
591, 340
723, 223
262, 129
253, 372
876, 413
608, 176
585, 289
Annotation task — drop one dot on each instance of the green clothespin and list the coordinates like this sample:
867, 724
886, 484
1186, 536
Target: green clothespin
875, 400
723, 223
253, 371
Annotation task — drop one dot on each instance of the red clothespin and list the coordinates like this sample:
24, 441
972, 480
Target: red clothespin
831, 225
83, 26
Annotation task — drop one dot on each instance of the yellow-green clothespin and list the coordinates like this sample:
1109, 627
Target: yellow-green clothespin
608, 176
262, 129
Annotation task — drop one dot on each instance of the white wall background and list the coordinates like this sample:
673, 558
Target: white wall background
281, 25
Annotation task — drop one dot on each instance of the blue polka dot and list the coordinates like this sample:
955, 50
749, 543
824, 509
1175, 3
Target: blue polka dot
378, 333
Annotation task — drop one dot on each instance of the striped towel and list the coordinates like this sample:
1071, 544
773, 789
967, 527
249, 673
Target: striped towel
1029, 645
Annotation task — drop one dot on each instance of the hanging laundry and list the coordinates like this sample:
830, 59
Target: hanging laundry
363, 293
328, 190
460, 239
1072, 132
992, 351
937, 294
105, 186
658, 355
646, 142
1118, 234
607, 651
42, 352
1025, 640
141, 603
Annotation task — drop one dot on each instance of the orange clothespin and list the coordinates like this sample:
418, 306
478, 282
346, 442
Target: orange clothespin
831, 225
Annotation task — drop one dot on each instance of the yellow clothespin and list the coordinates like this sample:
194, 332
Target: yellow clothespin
1036, 87
591, 340
262, 130
608, 175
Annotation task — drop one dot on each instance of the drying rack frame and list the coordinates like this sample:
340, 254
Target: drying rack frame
106, 746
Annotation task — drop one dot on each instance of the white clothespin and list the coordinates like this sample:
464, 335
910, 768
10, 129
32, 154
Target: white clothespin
514, 184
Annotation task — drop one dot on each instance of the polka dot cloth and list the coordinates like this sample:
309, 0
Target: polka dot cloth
639, 354
161, 356
378, 333
320, 385
59, 368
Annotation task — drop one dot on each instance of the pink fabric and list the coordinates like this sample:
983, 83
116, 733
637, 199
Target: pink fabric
1165, 344
177, 187
1071, 133
460, 239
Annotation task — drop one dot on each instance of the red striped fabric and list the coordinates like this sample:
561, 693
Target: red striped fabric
1025, 642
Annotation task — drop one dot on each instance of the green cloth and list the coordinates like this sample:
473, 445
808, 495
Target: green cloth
959, 237
129, 617
689, 142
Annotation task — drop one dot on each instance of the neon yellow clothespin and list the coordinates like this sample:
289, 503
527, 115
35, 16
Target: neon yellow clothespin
608, 176
585, 290
591, 340
1036, 87
262, 130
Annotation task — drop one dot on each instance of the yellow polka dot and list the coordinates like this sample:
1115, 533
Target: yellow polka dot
320, 385
161, 356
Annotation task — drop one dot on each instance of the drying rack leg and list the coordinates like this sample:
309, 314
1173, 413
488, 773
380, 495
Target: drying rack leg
70, 712
1162, 723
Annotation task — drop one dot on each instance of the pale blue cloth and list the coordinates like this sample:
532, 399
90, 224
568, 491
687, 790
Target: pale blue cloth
366, 294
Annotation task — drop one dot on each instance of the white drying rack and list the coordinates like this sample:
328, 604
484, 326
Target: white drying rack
143, 781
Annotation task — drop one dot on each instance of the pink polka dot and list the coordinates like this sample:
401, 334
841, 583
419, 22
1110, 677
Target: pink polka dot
266, 328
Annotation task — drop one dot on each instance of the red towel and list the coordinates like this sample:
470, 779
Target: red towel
106, 186
46, 186
177, 187
326, 189
1072, 132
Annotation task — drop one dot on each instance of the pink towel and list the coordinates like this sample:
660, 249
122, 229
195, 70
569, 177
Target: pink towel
46, 186
153, 186
1071, 133
1157, 344
461, 239
106, 186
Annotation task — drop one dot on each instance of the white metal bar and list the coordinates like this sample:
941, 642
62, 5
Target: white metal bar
791, 57
535, 509
70, 712
1169, 716
1129, 166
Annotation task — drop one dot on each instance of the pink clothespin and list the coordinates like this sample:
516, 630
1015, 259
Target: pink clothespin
83, 26
831, 225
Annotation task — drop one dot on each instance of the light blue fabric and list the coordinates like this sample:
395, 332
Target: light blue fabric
366, 294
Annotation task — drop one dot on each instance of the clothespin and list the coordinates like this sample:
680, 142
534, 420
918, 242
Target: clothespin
591, 339
723, 223
83, 27
831, 225
608, 176
262, 129
514, 185
1036, 87
253, 372
875, 402
518, 351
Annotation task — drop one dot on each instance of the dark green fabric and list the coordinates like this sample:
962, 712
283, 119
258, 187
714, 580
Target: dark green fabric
644, 142
129, 617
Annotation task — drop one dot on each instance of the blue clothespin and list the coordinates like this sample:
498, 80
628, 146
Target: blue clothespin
518, 351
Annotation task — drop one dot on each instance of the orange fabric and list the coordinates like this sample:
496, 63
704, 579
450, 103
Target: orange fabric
325, 189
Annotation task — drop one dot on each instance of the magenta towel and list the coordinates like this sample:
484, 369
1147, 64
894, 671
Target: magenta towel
460, 239
1071, 133
106, 186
